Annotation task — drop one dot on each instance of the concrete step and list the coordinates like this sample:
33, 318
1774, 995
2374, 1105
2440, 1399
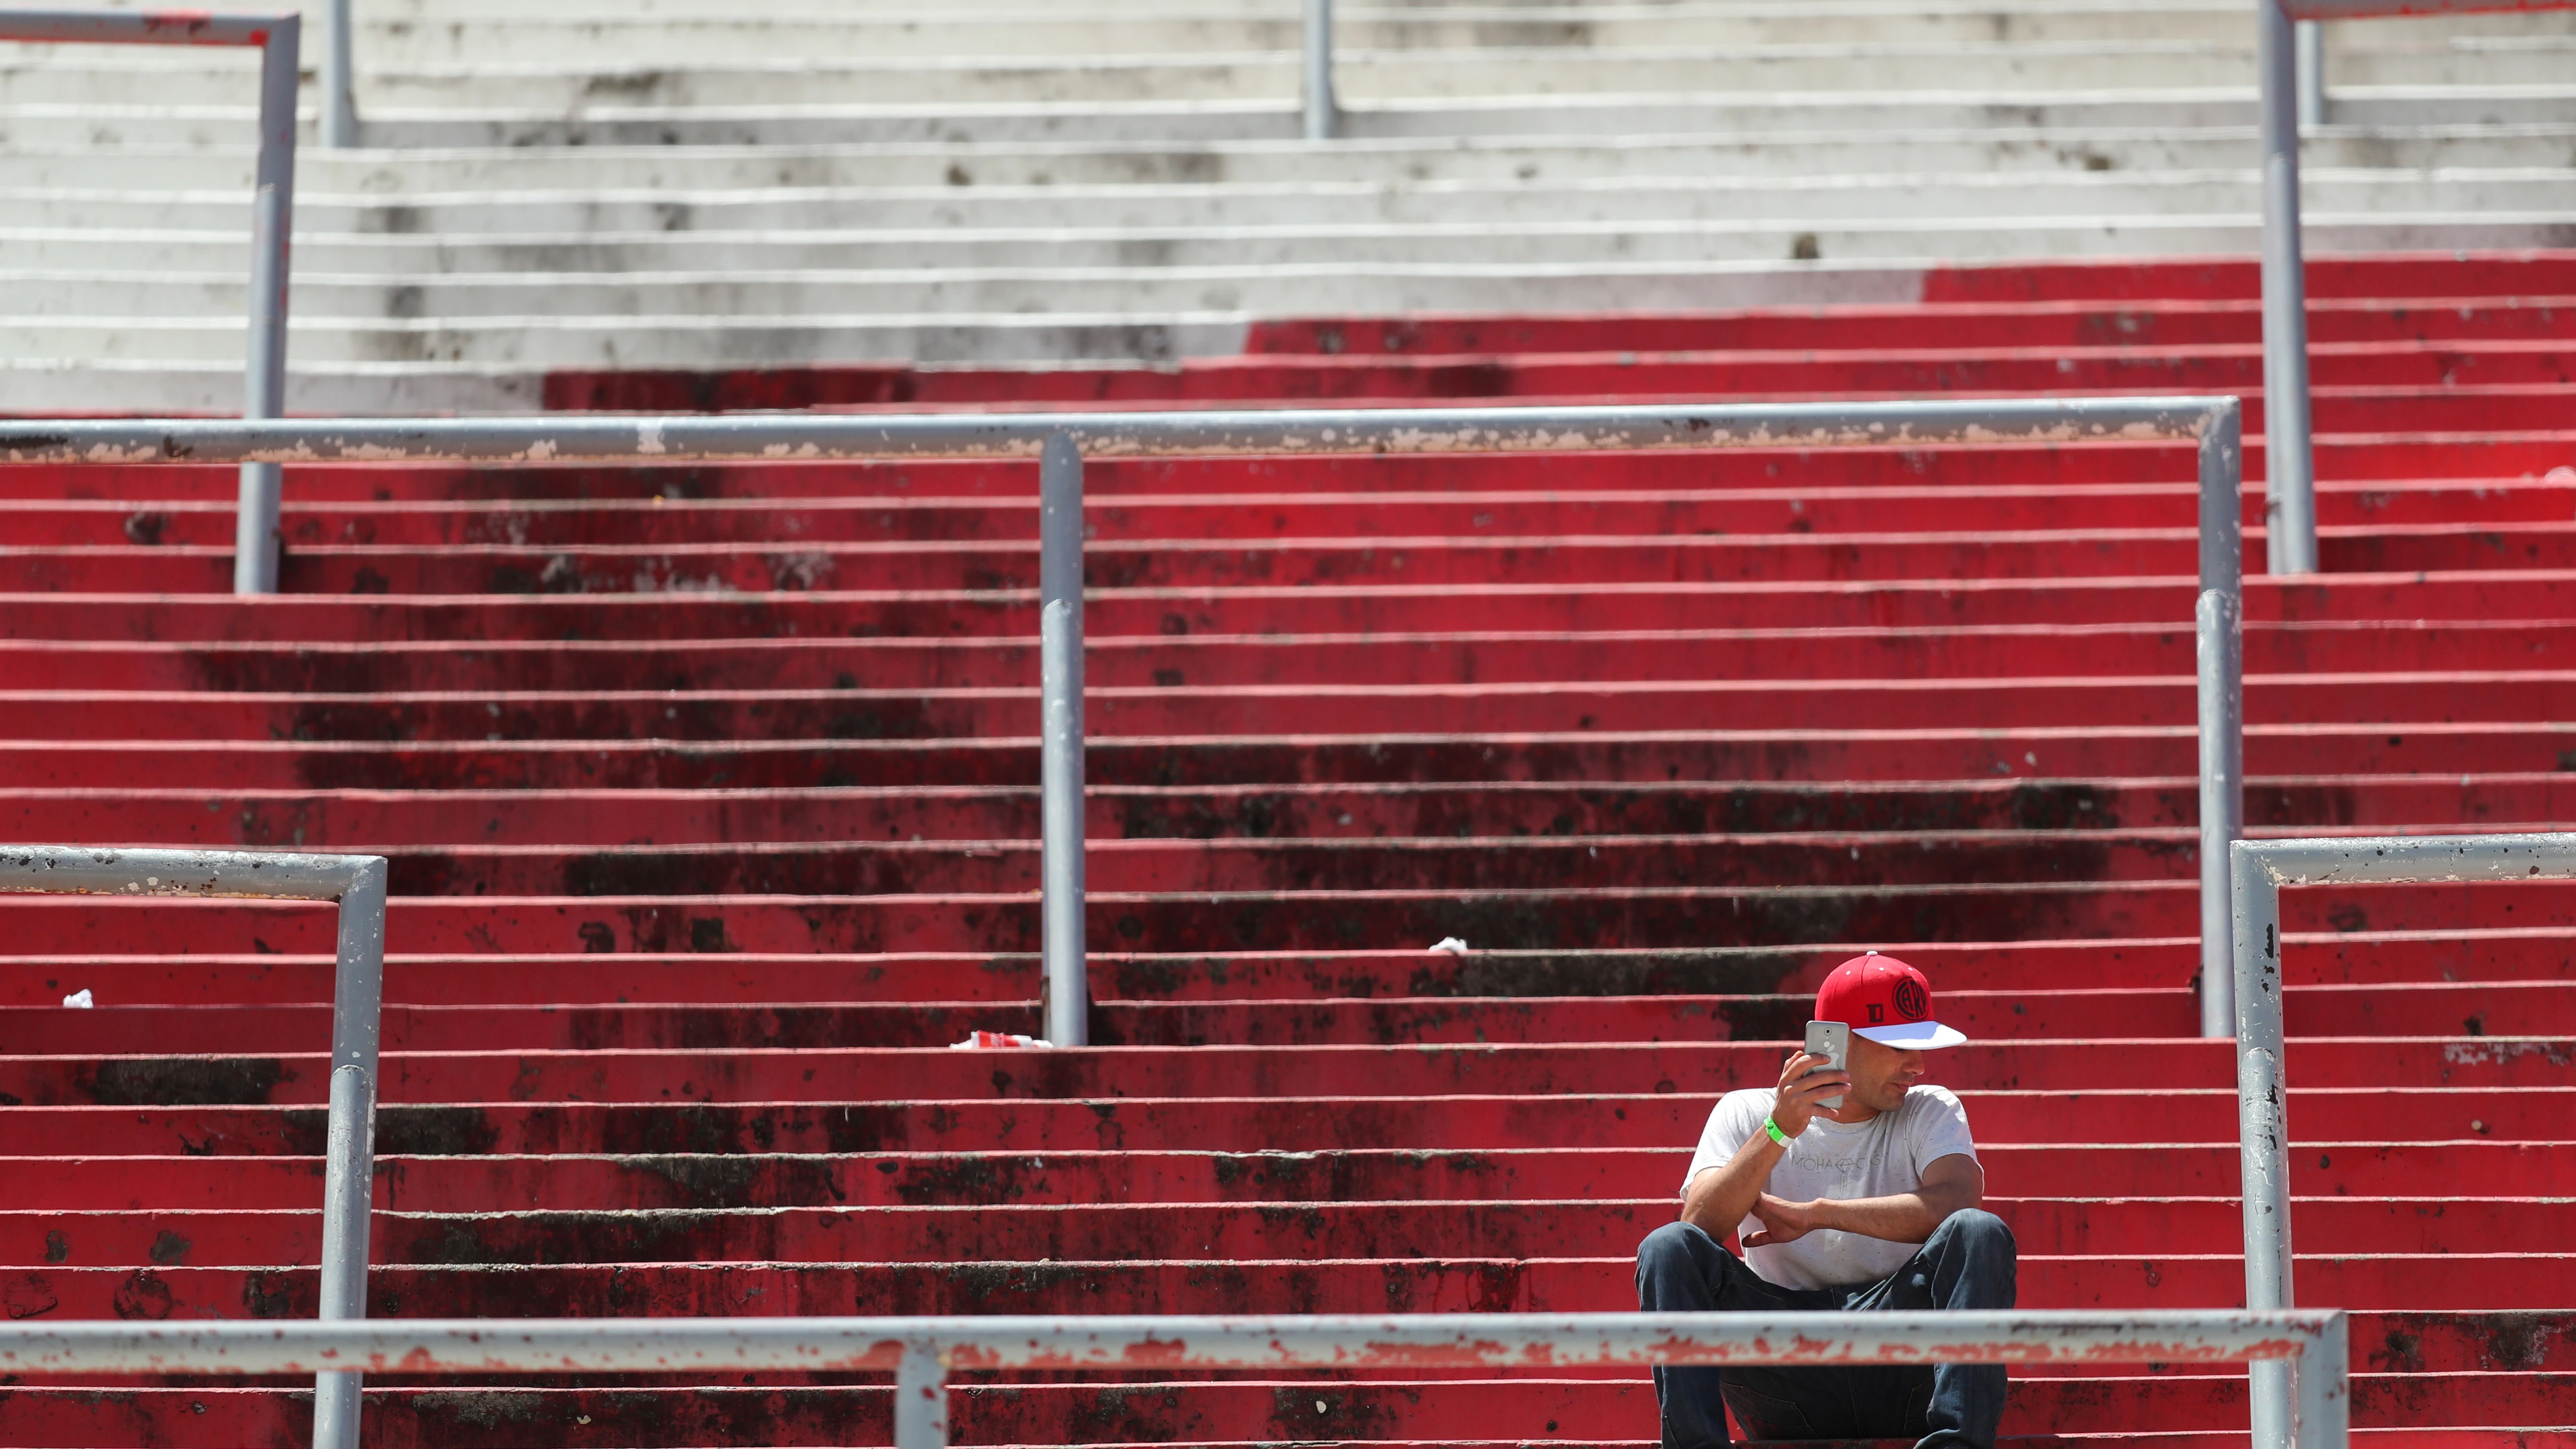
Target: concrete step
2401, 702
2010, 753
2528, 1007
76, 74
1537, 161
1889, 201
1417, 561
681, 1210
179, 622
1274, 117
922, 1209
2385, 465
525, 1210
1038, 32
2523, 1008
1743, 507
2395, 959
671, 1149
1996, 652
189, 312
1270, 920
840, 1075
344, 820
1229, 1412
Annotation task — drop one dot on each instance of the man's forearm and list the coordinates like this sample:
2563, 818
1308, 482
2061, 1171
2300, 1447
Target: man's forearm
1721, 1197
1907, 1217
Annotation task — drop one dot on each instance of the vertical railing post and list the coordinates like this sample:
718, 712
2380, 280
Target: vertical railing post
1323, 112
2219, 641
2219, 645
348, 1172
339, 82
920, 1398
1067, 1006
2263, 1124
271, 237
2289, 478
2311, 35
2324, 1370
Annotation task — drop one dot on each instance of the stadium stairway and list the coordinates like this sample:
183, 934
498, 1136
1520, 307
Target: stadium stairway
603, 184
709, 792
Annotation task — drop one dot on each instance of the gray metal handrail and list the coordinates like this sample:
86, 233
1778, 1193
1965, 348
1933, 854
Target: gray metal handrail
272, 219
922, 1351
339, 81
2289, 66
2261, 869
1322, 113
1062, 440
357, 884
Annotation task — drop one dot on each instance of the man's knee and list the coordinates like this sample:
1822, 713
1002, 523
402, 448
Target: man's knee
1674, 1245
1976, 1231
1678, 1269
1974, 1263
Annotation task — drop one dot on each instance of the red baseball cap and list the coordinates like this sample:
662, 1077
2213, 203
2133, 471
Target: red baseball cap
1884, 999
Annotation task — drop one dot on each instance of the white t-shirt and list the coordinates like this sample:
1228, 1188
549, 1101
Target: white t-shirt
1881, 1157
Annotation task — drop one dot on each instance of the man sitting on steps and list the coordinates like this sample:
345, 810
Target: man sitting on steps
1833, 1205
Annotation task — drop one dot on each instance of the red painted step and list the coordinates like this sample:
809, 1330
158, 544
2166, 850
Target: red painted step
2522, 1009
1740, 507
2339, 958
367, 820
1226, 1411
825, 1076
1260, 920
2142, 321
1366, 608
2204, 1115
1608, 756
1233, 661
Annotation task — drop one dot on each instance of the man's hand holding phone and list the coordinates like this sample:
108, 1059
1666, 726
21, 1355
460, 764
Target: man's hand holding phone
1795, 1106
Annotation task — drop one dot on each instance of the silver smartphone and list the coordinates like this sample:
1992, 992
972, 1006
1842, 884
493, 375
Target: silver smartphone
1832, 1041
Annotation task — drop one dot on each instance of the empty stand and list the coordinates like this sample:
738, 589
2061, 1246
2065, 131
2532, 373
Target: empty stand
710, 793
695, 183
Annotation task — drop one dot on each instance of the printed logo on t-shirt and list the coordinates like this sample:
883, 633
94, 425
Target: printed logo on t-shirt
1852, 1163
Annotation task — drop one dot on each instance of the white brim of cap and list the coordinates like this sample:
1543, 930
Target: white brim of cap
1918, 1035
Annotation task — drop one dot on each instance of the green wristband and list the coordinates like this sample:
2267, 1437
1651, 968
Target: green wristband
1774, 1129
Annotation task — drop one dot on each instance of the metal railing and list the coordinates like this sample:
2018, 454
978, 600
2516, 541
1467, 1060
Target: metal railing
278, 37
2290, 77
922, 1351
357, 884
1060, 441
2261, 869
339, 79
1323, 114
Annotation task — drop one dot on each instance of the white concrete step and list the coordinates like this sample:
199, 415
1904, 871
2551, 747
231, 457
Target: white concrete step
700, 183
1530, 161
760, 35
1043, 315
80, 75
1608, 117
1895, 201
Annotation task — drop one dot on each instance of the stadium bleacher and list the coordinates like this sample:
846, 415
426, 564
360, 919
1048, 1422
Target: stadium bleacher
697, 183
710, 790
694, 886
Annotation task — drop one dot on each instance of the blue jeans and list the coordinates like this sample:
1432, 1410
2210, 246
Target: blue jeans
1968, 1263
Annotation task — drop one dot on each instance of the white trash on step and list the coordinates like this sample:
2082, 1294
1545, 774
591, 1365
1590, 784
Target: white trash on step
1452, 945
79, 999
994, 1041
